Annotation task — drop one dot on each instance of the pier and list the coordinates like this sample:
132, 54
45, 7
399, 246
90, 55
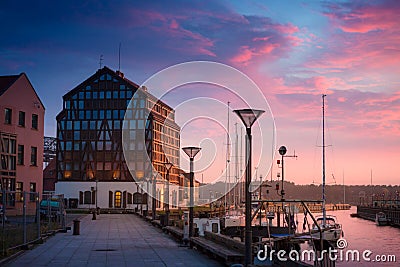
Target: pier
369, 213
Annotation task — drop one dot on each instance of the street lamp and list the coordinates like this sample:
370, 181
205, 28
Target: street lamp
153, 202
191, 152
168, 166
248, 117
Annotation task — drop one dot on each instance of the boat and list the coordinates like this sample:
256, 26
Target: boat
381, 219
206, 224
331, 229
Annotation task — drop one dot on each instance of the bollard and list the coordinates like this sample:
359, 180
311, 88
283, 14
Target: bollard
76, 227
94, 215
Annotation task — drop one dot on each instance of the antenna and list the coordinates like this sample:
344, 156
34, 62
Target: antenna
119, 57
101, 61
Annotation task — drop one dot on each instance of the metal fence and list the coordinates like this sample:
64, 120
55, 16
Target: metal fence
26, 218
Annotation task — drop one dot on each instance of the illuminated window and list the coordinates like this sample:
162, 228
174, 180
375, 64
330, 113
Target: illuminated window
117, 199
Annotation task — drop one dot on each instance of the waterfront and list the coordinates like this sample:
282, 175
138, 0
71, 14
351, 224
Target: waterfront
364, 235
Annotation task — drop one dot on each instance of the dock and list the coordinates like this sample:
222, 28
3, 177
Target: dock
369, 212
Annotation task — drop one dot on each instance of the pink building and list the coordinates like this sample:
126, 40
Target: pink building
21, 136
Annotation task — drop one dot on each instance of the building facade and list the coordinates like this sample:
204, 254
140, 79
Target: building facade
21, 135
101, 118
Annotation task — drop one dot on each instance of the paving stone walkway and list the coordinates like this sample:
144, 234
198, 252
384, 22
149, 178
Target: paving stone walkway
113, 240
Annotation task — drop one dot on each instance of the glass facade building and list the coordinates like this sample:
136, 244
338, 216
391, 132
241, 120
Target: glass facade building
90, 132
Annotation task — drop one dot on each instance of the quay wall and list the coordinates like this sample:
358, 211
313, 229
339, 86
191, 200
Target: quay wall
369, 213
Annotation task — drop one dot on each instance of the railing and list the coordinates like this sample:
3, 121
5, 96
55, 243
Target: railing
24, 221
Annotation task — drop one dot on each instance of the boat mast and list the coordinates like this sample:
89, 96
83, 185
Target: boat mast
323, 160
236, 168
227, 172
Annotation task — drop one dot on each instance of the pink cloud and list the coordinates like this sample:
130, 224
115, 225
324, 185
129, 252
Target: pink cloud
367, 18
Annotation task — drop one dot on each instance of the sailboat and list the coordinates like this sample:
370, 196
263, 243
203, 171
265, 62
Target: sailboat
331, 229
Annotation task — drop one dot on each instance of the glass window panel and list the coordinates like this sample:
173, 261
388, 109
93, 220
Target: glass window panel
102, 77
81, 115
122, 86
115, 114
69, 125
94, 95
108, 145
81, 95
108, 94
129, 94
77, 135
35, 119
108, 77
88, 115
121, 114
140, 124
101, 114
115, 94
132, 135
88, 95
88, 87
94, 114
77, 125
81, 104
76, 146
122, 94
117, 125
84, 125
92, 125
68, 145
101, 96
108, 114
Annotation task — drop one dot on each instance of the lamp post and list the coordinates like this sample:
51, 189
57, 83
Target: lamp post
97, 192
153, 202
248, 117
168, 166
191, 152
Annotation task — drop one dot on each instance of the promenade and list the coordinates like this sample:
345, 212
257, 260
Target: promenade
112, 240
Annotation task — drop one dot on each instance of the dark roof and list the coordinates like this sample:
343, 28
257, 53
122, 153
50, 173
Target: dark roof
115, 75
99, 72
6, 82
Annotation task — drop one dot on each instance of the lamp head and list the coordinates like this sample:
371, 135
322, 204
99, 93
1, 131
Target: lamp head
249, 116
191, 151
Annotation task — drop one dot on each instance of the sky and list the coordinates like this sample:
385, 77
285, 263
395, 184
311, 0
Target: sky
294, 51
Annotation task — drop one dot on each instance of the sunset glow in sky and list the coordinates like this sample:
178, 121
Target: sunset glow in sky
294, 51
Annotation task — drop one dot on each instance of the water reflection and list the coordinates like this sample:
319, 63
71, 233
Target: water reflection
364, 235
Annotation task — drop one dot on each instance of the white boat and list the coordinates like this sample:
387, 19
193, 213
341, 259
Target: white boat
207, 224
331, 230
381, 219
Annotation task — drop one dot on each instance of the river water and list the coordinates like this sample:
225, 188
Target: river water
363, 235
